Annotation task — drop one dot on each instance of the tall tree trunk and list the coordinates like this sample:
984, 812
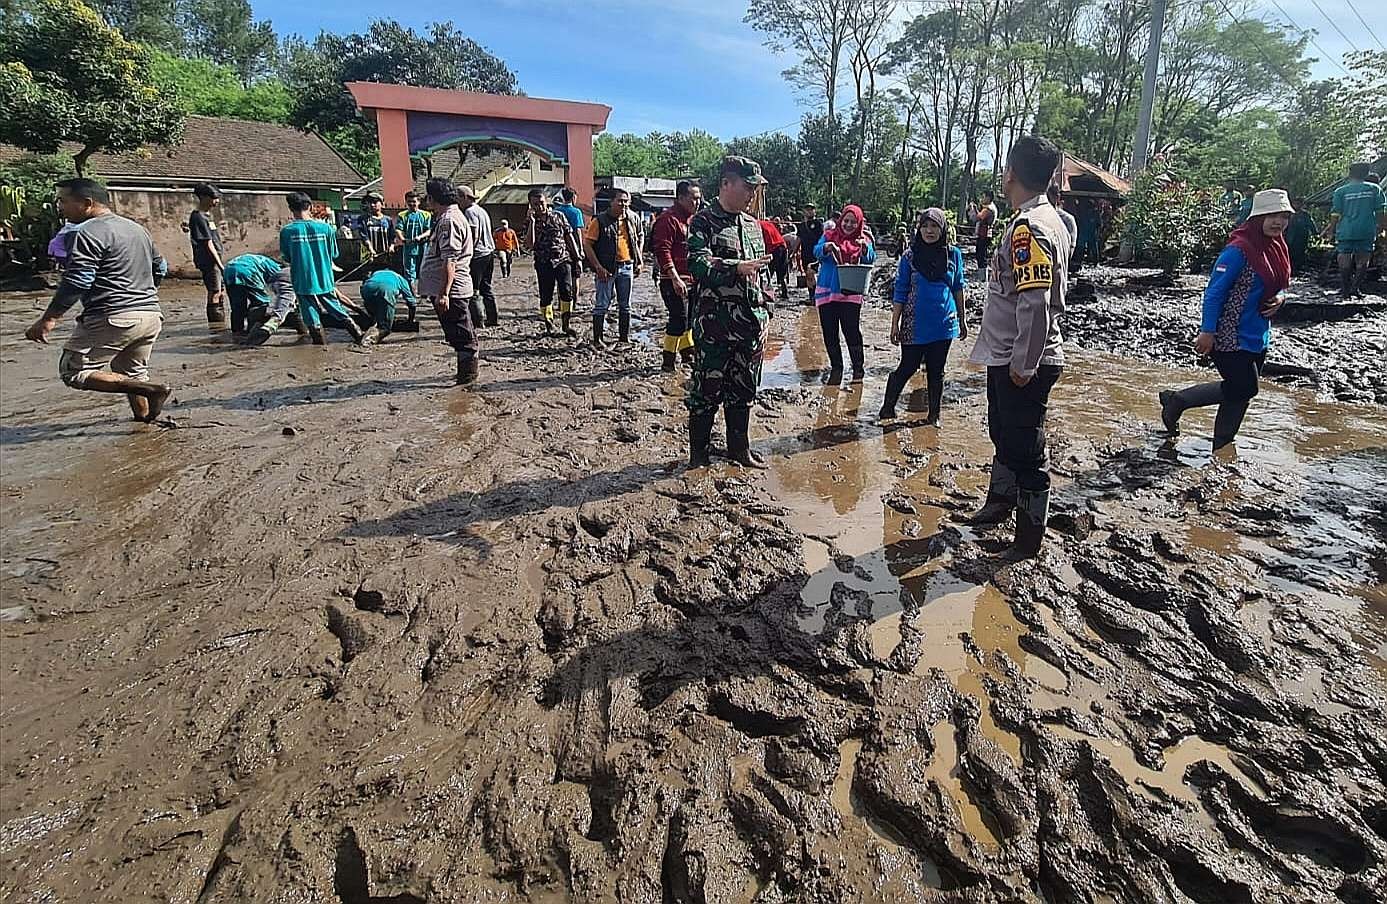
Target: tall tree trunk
79, 161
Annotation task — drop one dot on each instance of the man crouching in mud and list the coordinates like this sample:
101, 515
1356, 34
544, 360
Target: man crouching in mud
1021, 346
112, 268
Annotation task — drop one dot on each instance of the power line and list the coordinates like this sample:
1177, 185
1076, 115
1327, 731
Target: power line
1334, 25
1366, 25
1276, 70
1309, 36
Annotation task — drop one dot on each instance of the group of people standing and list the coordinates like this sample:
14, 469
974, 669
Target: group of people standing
715, 264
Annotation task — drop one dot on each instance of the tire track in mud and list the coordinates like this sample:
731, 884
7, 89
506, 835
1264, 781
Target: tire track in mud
492, 645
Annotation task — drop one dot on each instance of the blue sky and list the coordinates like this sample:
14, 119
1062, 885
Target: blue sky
666, 65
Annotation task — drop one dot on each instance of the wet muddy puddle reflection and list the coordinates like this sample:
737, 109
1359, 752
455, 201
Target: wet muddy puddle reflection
861, 828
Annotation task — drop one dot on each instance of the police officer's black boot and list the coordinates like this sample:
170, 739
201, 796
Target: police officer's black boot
858, 358
1001, 497
739, 437
1032, 511
667, 362
598, 322
894, 385
623, 326
1174, 404
700, 435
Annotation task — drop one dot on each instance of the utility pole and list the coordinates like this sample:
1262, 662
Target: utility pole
1148, 87
1142, 142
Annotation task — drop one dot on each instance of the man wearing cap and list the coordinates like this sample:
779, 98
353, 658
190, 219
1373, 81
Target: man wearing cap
1021, 345
376, 227
727, 259
1359, 211
207, 249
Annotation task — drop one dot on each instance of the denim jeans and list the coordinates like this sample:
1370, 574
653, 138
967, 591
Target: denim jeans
620, 286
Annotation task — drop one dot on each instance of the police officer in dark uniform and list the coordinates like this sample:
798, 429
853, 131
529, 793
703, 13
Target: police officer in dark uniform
1021, 345
727, 259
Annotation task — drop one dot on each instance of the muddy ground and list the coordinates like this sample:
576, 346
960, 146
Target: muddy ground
351, 634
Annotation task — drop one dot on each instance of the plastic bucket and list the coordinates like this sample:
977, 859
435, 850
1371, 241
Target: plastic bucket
852, 278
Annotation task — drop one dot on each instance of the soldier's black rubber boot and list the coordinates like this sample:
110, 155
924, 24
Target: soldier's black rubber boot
893, 394
1032, 509
623, 326
700, 435
1001, 498
739, 438
667, 362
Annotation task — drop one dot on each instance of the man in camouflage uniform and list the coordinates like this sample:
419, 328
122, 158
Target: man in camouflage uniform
1021, 345
727, 259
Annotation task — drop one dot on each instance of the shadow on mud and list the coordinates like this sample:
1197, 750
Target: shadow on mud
317, 393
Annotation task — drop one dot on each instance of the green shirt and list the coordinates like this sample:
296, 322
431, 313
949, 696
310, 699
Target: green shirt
412, 224
1358, 205
385, 285
253, 271
310, 247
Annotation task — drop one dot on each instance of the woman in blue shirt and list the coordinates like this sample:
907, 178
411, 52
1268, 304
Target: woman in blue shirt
927, 314
1242, 296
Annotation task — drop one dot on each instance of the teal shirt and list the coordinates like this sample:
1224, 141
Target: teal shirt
310, 246
253, 271
1358, 205
385, 285
412, 224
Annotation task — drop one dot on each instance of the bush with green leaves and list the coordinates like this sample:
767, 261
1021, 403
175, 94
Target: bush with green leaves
1170, 222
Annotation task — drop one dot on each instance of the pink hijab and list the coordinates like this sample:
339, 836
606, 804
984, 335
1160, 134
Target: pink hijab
850, 247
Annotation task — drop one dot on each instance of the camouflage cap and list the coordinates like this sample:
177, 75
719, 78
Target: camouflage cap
745, 168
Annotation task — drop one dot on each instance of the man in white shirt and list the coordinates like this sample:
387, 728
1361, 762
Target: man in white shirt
483, 257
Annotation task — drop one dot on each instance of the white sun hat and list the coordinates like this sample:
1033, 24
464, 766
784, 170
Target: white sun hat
1270, 200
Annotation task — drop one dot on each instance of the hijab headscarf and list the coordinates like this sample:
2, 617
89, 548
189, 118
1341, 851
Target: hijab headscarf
1269, 257
931, 260
850, 245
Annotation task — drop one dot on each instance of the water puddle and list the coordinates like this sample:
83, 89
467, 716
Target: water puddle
863, 829
944, 768
1171, 778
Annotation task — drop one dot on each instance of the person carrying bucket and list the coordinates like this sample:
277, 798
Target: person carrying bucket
840, 306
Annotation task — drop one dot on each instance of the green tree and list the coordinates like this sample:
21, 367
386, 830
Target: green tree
782, 165
387, 52
65, 75
210, 89
631, 155
225, 32
692, 153
151, 22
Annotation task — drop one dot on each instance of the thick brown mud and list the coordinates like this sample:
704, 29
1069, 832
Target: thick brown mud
351, 634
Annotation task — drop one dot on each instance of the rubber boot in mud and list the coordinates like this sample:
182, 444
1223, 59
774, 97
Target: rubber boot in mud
216, 314
700, 435
467, 370
316, 334
1001, 498
372, 336
1171, 410
739, 438
687, 355
1032, 510
263, 331
858, 358
893, 395
568, 330
598, 324
354, 331
624, 327
667, 362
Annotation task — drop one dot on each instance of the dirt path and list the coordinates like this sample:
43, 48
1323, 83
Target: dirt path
351, 634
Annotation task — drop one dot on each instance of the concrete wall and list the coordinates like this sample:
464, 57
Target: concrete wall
248, 222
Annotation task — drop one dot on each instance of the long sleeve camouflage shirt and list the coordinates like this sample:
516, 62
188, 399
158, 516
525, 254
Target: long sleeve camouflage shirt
718, 241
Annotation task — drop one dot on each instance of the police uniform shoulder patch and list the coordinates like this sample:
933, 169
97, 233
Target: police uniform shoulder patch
1030, 262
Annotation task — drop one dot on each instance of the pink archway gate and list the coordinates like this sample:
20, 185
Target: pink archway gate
413, 121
